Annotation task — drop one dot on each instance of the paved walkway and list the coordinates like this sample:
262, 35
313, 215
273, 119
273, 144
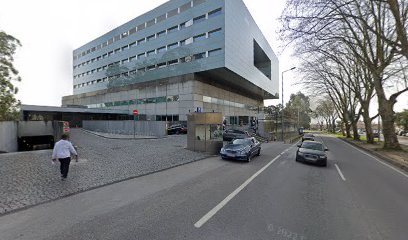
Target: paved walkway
29, 178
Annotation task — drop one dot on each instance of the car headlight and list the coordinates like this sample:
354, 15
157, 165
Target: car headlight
244, 151
300, 153
222, 150
322, 157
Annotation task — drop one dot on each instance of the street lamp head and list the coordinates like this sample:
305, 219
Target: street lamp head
293, 68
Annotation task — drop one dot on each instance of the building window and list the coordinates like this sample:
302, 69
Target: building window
199, 55
214, 52
110, 53
199, 19
132, 31
141, 70
186, 41
151, 37
98, 58
125, 34
172, 13
172, 29
199, 37
151, 23
133, 44
161, 65
131, 59
117, 50
214, 33
172, 46
185, 7
214, 13
150, 53
140, 41
262, 61
198, 2
132, 72
141, 56
125, 61
161, 50
125, 47
141, 27
152, 67
116, 38
161, 18
173, 62
186, 24
161, 34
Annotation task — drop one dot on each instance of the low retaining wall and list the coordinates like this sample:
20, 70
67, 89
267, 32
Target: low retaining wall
142, 128
8, 137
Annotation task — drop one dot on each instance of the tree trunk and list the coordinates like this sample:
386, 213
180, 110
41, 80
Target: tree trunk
367, 123
346, 125
356, 136
386, 109
388, 128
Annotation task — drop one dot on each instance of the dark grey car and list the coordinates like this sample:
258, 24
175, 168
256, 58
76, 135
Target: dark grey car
232, 134
308, 137
241, 149
312, 152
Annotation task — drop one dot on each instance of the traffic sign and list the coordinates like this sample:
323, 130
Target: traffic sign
135, 112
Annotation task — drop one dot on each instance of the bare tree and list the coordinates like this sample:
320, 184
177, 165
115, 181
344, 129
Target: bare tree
367, 29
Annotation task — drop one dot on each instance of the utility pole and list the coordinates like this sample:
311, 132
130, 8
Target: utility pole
282, 100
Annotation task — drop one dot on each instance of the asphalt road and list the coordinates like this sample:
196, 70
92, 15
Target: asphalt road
272, 197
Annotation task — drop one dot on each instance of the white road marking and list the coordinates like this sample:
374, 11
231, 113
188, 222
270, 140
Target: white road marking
220, 205
378, 160
340, 173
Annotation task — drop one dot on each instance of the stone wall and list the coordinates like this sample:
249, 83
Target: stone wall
8, 137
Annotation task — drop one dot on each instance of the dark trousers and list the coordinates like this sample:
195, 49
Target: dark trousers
64, 167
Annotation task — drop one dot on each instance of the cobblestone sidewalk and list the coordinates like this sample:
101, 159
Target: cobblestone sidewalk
29, 178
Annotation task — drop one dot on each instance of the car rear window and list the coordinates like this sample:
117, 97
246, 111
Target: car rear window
313, 146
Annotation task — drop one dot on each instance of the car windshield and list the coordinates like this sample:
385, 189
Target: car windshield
241, 141
313, 146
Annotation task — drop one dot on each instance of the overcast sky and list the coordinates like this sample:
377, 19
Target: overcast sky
50, 30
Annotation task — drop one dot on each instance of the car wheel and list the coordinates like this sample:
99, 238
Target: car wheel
249, 158
324, 164
258, 153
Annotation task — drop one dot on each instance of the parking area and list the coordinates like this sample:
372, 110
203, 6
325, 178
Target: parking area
29, 178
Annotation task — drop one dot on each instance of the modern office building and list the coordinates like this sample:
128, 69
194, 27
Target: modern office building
181, 57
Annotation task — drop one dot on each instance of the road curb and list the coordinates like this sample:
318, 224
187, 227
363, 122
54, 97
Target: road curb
376, 154
103, 185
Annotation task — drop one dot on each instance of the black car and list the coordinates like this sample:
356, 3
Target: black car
313, 152
177, 129
241, 149
231, 134
308, 137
